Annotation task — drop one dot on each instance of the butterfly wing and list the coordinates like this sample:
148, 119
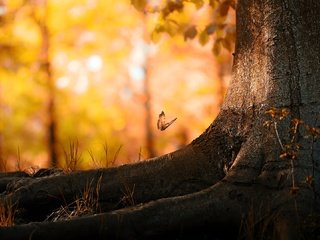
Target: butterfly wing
166, 125
161, 121
162, 124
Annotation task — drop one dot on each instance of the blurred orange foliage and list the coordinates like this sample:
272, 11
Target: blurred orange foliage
110, 83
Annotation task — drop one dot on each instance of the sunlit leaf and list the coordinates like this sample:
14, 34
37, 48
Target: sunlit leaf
224, 8
203, 38
229, 41
226, 44
171, 7
198, 3
171, 27
309, 180
139, 4
213, 3
267, 123
312, 131
216, 49
233, 4
156, 33
204, 35
210, 28
284, 113
155, 36
283, 155
272, 112
190, 33
296, 121
278, 113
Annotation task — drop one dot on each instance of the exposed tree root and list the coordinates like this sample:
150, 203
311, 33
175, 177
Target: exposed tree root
175, 194
178, 173
222, 207
170, 215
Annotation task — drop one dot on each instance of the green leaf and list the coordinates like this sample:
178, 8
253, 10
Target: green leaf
190, 33
139, 4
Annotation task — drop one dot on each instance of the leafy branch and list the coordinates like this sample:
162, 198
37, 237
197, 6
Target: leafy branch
172, 15
291, 149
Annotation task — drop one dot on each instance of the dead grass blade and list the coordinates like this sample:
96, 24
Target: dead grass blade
72, 157
7, 214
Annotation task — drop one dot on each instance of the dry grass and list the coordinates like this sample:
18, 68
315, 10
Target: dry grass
311, 226
140, 154
18, 163
86, 204
3, 164
72, 157
128, 200
7, 214
104, 161
258, 226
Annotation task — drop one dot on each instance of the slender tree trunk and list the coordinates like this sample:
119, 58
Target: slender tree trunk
2, 161
47, 70
262, 195
148, 96
148, 112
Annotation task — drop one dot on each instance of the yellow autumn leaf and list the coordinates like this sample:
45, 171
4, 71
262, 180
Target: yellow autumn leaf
190, 33
198, 3
203, 38
216, 47
139, 4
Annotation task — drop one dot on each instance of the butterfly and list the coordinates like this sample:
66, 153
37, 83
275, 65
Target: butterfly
162, 124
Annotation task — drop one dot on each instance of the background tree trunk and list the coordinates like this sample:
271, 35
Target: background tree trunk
276, 64
147, 91
46, 67
148, 111
2, 161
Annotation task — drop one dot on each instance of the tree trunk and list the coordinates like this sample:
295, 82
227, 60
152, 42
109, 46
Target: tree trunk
47, 70
263, 193
147, 95
148, 113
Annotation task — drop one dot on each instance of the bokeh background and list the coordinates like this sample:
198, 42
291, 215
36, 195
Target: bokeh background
84, 78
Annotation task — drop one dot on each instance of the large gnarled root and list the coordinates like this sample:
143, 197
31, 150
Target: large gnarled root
221, 204
222, 207
178, 173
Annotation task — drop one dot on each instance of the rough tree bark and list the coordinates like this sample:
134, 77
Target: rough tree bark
230, 176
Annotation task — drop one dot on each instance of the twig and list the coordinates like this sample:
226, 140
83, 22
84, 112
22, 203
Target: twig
278, 137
